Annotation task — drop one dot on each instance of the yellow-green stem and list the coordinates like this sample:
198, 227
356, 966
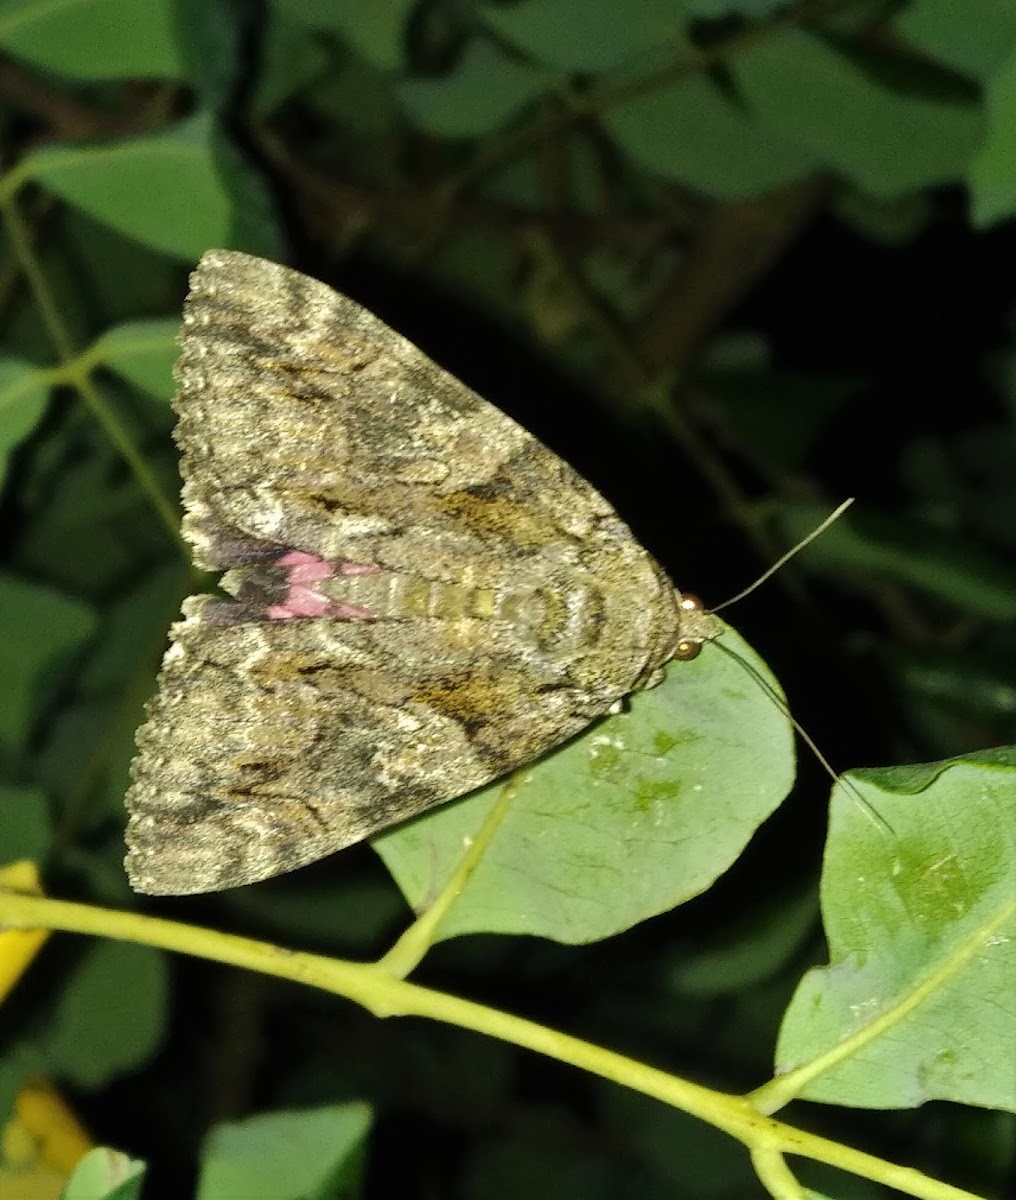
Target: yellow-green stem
382, 994
77, 369
409, 950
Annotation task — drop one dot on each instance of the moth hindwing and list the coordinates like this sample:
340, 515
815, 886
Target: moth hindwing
423, 597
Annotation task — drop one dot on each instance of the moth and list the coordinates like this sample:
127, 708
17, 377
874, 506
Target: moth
420, 597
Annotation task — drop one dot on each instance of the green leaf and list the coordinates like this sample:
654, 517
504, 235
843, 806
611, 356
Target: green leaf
692, 132
893, 222
354, 915
486, 89
587, 35
993, 171
888, 141
93, 39
676, 1147
918, 1001
20, 1060
105, 1174
302, 1154
88, 744
979, 686
134, 628
292, 58
778, 414
974, 38
163, 189
111, 1015
946, 567
638, 815
25, 827
509, 1168
111, 277
24, 391
954, 697
760, 946
753, 9
360, 99
209, 37
377, 31
143, 353
41, 628
89, 522
72, 755
254, 224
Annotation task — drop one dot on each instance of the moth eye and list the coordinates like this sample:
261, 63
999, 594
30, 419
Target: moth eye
687, 650
691, 604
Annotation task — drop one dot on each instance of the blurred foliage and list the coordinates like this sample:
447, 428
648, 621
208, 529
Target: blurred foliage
733, 259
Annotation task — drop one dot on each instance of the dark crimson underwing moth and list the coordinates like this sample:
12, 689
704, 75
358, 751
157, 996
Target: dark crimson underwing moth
423, 597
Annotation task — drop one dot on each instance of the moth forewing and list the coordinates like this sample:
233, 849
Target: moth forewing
424, 597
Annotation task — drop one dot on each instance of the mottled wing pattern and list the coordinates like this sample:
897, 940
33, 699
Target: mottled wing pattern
424, 596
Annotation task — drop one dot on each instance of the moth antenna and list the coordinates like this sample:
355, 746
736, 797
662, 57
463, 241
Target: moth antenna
873, 815
868, 809
819, 529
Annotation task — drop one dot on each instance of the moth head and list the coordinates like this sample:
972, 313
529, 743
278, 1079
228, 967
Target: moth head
697, 626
